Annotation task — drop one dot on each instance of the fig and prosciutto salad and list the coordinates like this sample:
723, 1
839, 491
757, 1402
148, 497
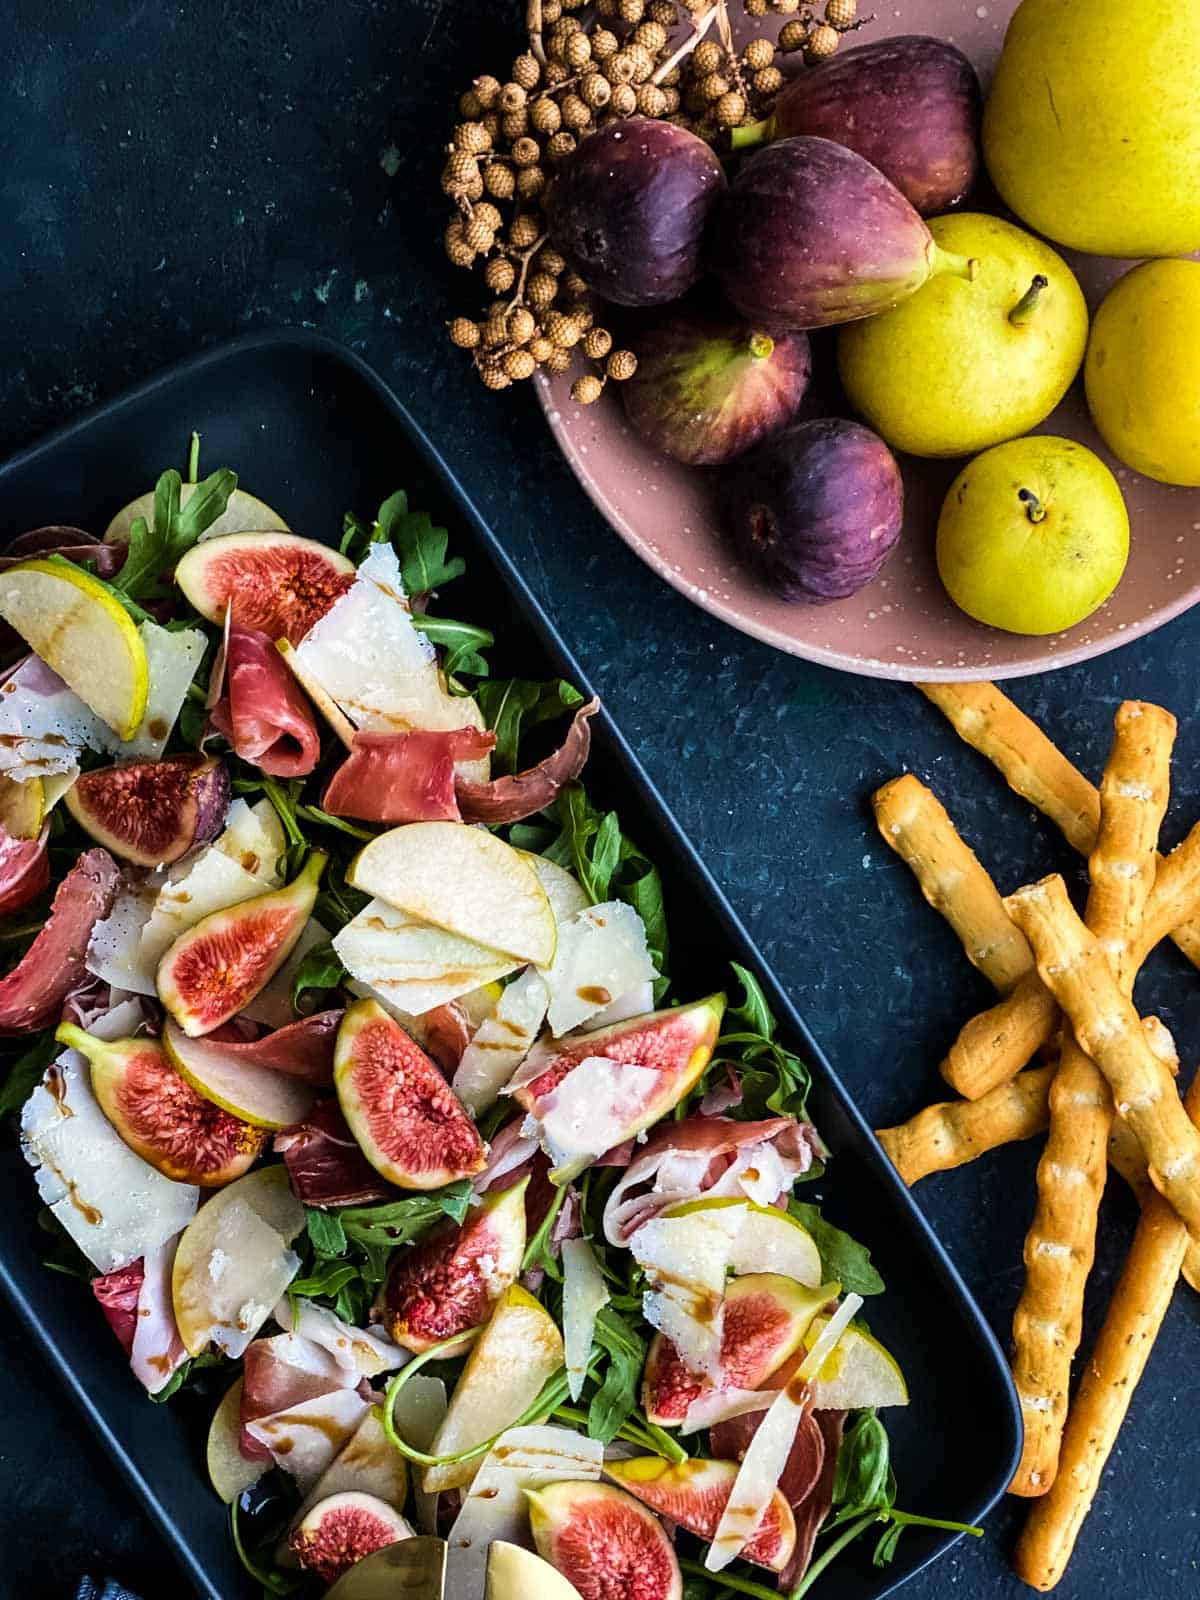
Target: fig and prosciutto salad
358, 1086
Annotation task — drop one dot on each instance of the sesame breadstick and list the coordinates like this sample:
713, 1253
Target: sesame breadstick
1061, 1242
955, 1132
1035, 768
914, 823
998, 1042
1138, 1306
1074, 967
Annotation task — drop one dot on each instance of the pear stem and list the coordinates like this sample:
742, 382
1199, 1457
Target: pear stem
1034, 509
1025, 306
753, 133
761, 345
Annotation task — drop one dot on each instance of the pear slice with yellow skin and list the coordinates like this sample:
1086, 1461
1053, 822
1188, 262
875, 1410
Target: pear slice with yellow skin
516, 1574
858, 1373
22, 807
767, 1241
243, 514
518, 1350
229, 1471
85, 635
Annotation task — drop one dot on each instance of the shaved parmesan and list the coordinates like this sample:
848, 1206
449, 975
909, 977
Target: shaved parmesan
253, 837
419, 1409
113, 1204
237, 1284
494, 1506
43, 725
305, 1439
563, 890
210, 882
501, 1042
172, 658
767, 1455
158, 1350
366, 1464
273, 1005
635, 1002
363, 1353
685, 1260
601, 954
585, 1294
115, 948
415, 965
591, 1109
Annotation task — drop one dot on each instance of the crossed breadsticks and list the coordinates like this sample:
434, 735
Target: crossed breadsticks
1109, 1096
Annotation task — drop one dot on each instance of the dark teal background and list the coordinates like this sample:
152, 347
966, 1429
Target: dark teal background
174, 174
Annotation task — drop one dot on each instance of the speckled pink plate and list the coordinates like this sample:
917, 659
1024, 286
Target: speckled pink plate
902, 625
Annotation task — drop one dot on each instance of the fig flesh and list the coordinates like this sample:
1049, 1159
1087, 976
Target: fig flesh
277, 583
695, 1493
604, 1542
810, 235
407, 1120
160, 1116
630, 206
342, 1529
708, 387
766, 1317
451, 1279
910, 106
220, 964
152, 812
816, 511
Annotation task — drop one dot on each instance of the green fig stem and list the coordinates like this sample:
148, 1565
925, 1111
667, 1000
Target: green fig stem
761, 346
947, 261
1026, 305
193, 460
1034, 509
753, 133
77, 1039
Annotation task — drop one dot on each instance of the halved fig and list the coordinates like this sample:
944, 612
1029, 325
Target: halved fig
695, 1493
162, 1118
257, 1095
152, 812
604, 1542
410, 1125
625, 1076
450, 1281
766, 1318
275, 582
218, 966
341, 1530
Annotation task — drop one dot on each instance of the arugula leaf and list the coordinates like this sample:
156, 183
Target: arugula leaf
753, 1010
511, 706
325, 1232
617, 1397
419, 544
775, 1081
187, 1372
155, 550
26, 1072
463, 642
862, 1476
320, 970
842, 1257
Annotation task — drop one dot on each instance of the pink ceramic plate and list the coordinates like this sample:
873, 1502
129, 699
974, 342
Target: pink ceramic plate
902, 625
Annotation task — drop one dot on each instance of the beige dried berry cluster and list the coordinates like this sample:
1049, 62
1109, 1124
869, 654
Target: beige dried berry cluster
654, 58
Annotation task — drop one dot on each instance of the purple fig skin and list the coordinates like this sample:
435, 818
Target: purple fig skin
911, 106
816, 510
629, 209
213, 791
811, 235
707, 387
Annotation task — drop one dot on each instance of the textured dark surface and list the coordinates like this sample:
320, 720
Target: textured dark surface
173, 175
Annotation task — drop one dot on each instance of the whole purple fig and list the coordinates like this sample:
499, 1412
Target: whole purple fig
810, 235
816, 510
629, 209
707, 387
909, 105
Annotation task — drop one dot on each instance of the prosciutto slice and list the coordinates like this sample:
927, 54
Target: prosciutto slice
325, 1165
302, 1049
283, 1372
524, 793
262, 711
118, 1294
731, 1439
24, 869
75, 544
713, 1156
403, 777
446, 1032
810, 1513
33, 992
157, 1352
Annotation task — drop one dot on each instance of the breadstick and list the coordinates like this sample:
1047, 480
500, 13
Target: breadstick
998, 1042
914, 823
1073, 966
1138, 1306
1035, 768
1061, 1242
955, 1132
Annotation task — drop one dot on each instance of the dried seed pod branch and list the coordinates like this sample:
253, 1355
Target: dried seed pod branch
956, 1131
1060, 1244
1074, 967
914, 823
